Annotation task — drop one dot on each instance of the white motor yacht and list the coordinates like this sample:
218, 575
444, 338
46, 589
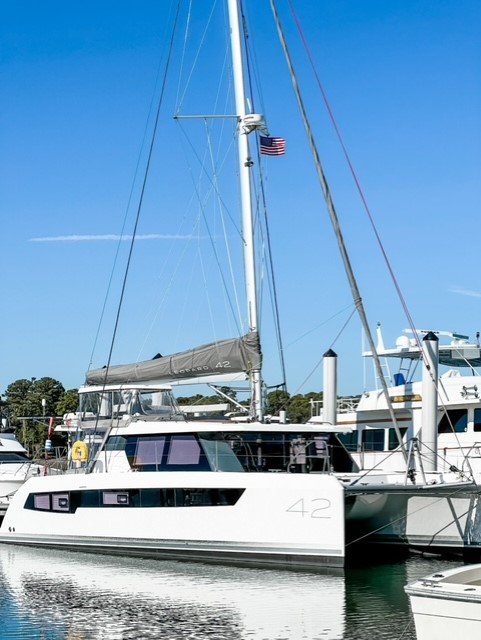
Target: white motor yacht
373, 442
15, 468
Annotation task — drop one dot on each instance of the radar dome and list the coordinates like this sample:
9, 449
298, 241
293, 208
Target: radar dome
402, 342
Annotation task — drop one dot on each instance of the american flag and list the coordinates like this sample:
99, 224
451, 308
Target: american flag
272, 146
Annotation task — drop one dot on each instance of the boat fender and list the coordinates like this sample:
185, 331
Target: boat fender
80, 451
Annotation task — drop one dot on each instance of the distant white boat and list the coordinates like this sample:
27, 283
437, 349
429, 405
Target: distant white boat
447, 604
373, 442
15, 468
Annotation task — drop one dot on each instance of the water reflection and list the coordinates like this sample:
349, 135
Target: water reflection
52, 595
376, 605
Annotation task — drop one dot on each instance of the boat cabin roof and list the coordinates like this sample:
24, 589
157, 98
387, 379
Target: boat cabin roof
168, 426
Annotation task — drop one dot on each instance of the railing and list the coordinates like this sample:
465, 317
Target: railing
344, 405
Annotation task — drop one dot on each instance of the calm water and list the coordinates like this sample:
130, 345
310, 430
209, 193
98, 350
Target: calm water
54, 595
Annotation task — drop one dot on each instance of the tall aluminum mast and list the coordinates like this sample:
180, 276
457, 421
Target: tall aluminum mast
245, 164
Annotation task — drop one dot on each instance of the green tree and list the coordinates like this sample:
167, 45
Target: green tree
277, 401
68, 403
24, 400
299, 408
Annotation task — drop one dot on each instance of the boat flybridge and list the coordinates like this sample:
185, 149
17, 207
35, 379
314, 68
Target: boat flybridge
145, 481
373, 441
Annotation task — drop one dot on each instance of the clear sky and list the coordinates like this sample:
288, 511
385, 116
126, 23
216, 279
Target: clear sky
404, 80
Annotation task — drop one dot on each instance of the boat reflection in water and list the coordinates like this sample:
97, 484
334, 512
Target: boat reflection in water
84, 596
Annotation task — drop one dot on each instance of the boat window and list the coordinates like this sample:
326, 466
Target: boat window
145, 452
373, 439
454, 420
115, 498
13, 457
393, 439
42, 501
477, 420
219, 453
86, 499
349, 440
134, 498
184, 450
115, 443
60, 502
155, 403
95, 405
163, 452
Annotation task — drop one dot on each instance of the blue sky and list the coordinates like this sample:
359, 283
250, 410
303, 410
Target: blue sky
78, 78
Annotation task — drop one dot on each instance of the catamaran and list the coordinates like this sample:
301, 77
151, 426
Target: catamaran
146, 481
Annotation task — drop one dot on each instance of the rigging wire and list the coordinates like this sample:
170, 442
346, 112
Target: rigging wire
364, 201
194, 64
226, 241
353, 172
127, 209
214, 249
321, 324
184, 49
335, 221
318, 364
142, 192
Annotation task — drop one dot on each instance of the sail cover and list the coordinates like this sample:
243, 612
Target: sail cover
226, 356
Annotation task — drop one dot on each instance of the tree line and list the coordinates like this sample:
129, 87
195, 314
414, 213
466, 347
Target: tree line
28, 405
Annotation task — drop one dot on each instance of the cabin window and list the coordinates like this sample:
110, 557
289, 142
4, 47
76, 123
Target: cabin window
145, 452
349, 440
115, 443
184, 450
163, 453
42, 501
393, 439
454, 421
60, 502
477, 420
219, 453
115, 498
133, 498
13, 457
373, 439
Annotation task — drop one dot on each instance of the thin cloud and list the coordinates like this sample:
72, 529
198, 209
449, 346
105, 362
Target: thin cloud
109, 237
466, 292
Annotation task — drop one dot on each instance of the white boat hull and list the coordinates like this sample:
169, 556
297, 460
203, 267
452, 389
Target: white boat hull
280, 519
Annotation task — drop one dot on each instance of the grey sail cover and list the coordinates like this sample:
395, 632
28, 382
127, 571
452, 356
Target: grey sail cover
226, 356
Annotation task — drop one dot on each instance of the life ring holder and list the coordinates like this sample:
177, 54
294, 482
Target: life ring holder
80, 451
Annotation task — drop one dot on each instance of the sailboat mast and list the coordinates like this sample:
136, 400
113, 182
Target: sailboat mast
245, 164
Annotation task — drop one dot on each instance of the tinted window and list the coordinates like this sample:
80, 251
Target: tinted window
455, 420
373, 439
13, 457
349, 440
477, 420
393, 439
128, 498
